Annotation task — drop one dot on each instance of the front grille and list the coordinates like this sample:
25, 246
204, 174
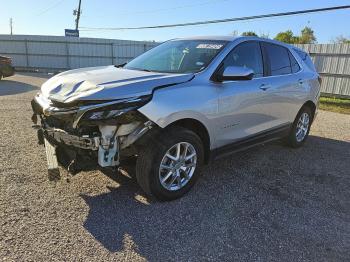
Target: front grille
64, 122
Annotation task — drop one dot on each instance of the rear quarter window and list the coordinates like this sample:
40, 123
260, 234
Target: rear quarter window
306, 58
293, 63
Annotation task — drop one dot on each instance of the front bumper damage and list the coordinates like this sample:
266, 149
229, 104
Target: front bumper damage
77, 145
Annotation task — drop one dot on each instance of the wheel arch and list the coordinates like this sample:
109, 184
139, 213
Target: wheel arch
197, 127
310, 104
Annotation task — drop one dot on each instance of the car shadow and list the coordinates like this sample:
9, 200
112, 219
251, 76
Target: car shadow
18, 83
10, 87
267, 202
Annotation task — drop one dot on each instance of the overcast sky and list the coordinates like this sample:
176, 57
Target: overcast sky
51, 17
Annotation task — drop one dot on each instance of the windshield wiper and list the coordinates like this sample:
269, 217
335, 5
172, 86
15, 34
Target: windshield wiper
140, 69
120, 65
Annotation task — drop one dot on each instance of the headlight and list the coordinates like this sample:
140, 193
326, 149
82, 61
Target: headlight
115, 110
106, 114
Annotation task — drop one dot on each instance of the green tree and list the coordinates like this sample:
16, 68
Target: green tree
341, 40
249, 33
287, 37
307, 36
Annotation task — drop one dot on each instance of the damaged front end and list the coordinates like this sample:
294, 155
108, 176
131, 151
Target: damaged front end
88, 135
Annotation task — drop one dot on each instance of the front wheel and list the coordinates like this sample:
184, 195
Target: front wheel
300, 128
169, 165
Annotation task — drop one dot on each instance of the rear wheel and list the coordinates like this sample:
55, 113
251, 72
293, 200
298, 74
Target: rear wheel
300, 128
169, 165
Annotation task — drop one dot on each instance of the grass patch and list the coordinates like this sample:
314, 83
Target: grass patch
339, 105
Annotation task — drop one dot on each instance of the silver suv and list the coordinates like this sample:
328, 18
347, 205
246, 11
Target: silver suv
176, 107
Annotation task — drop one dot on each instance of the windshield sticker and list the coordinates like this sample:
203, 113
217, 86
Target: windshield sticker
209, 46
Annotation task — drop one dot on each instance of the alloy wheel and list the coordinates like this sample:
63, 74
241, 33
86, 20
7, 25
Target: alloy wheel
177, 166
302, 127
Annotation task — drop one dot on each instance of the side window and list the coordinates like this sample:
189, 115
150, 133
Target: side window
306, 58
248, 55
279, 59
293, 63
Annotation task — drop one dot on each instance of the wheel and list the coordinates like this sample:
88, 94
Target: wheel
169, 164
300, 128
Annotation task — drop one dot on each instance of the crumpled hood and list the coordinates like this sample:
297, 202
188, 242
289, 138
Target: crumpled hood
106, 83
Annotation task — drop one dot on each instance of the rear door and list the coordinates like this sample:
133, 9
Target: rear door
285, 84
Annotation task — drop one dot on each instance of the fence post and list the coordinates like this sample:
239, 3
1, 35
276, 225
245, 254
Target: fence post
67, 54
26, 49
112, 52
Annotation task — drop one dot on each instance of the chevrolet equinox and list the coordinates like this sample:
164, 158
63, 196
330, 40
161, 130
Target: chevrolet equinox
176, 107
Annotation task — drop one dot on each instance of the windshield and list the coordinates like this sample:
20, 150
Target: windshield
178, 56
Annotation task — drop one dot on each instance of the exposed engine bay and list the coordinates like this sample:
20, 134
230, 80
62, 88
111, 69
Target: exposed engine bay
83, 135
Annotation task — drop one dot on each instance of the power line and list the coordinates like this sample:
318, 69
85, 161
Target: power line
178, 7
168, 9
50, 7
221, 20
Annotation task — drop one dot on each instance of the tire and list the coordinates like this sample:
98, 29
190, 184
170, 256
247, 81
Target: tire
296, 137
128, 166
156, 180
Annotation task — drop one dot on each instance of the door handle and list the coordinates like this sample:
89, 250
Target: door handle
264, 87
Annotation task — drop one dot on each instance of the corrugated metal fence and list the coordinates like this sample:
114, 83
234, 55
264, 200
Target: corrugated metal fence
332, 61
58, 53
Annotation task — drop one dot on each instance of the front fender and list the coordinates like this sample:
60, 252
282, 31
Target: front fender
183, 102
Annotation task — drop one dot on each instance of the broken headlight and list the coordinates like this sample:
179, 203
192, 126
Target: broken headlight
106, 114
115, 110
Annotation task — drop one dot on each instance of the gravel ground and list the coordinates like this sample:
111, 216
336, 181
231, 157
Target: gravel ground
270, 203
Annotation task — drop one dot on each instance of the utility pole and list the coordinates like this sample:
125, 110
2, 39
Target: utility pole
11, 25
77, 13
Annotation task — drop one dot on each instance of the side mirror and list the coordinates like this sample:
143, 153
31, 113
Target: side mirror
236, 73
